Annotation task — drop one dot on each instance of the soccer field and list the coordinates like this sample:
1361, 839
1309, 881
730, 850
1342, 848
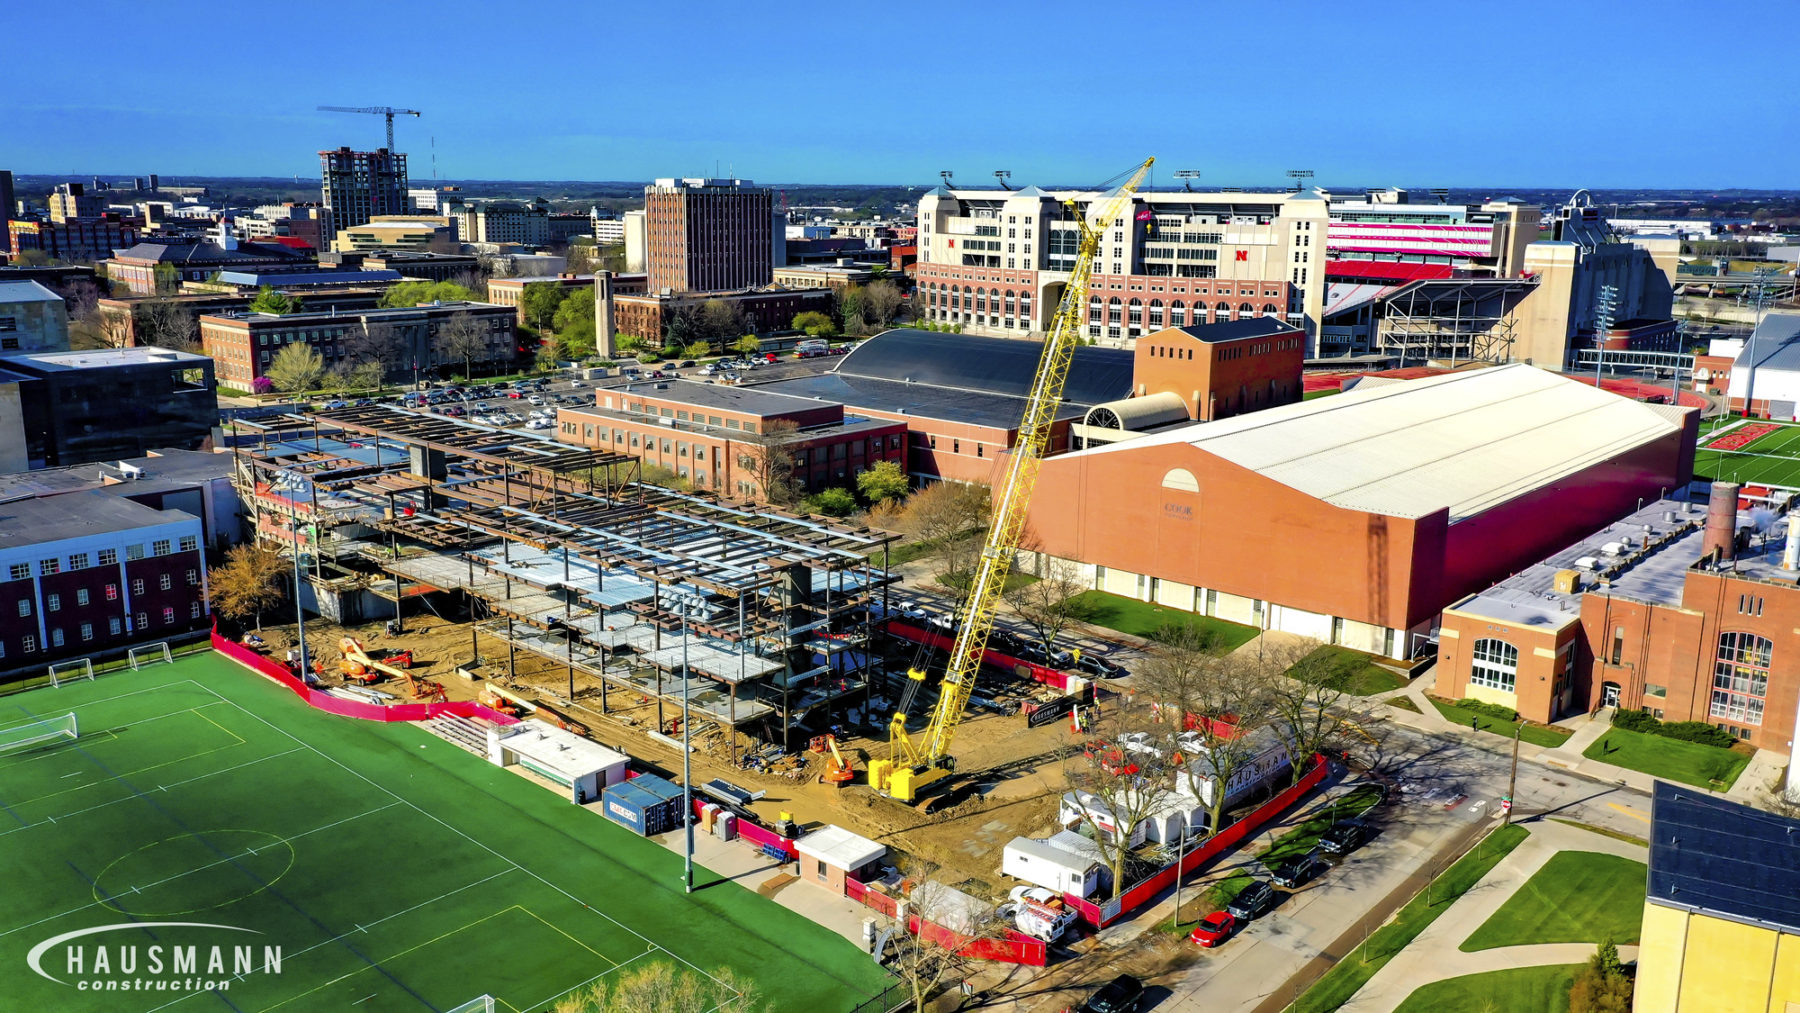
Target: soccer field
394, 870
1772, 459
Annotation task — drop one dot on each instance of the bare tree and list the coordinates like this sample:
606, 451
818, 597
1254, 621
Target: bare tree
1120, 780
381, 343
1306, 700
774, 467
461, 337
166, 323
882, 299
115, 328
952, 518
1052, 603
929, 959
1224, 697
248, 583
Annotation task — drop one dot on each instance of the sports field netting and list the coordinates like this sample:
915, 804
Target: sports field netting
1770, 459
394, 870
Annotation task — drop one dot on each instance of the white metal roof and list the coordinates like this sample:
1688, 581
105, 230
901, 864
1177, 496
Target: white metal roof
840, 848
25, 291
1468, 440
560, 750
1051, 853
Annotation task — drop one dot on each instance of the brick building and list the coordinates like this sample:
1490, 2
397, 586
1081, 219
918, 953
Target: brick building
125, 317
90, 572
135, 267
647, 314
243, 344
511, 291
1683, 610
715, 436
78, 239
708, 235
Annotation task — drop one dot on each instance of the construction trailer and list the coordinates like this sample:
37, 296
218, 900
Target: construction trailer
757, 620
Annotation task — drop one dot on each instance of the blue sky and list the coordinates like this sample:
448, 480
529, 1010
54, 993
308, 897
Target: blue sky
1447, 93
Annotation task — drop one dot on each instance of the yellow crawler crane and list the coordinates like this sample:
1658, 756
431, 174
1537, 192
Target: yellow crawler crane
916, 767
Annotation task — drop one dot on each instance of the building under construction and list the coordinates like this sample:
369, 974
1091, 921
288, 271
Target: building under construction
759, 620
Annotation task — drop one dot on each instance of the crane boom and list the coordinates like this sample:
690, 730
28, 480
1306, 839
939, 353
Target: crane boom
388, 111
932, 750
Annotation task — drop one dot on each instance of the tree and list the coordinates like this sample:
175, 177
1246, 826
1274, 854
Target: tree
610, 257
853, 306
248, 583
950, 517
667, 478
366, 376
720, 319
697, 349
31, 258
167, 280
115, 328
681, 327
883, 300
1119, 789
1224, 697
1603, 986
815, 324
580, 258
272, 300
747, 345
1305, 705
412, 293
298, 367
461, 337
882, 481
835, 502
774, 466
1050, 604
166, 323
541, 301
927, 961
574, 324
545, 360
658, 987
382, 343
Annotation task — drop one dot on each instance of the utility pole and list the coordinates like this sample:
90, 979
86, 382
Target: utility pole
1512, 781
1762, 286
299, 613
687, 755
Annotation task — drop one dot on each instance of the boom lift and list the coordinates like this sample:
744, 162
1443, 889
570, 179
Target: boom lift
915, 768
358, 666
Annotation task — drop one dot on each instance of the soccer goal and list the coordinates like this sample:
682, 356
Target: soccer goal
149, 654
479, 1004
35, 734
68, 671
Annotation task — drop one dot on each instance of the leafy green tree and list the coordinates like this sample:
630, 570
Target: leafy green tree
682, 327
853, 309
412, 293
720, 319
295, 368
574, 323
546, 357
628, 343
167, 279
697, 349
1603, 986
815, 324
32, 258
248, 583
659, 988
272, 300
835, 502
884, 481
542, 300
747, 345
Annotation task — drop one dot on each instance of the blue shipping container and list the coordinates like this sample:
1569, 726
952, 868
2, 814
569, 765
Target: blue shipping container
646, 805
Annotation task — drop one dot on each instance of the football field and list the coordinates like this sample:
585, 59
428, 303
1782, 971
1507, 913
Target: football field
204, 811
1770, 459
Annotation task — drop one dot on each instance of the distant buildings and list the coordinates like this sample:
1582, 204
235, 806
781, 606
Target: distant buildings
647, 315
503, 221
77, 407
707, 235
77, 239
511, 291
418, 233
407, 338
1764, 375
32, 318
359, 185
136, 266
71, 200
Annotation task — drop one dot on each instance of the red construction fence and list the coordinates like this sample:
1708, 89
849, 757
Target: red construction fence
1004, 662
1016, 948
275, 671
1100, 915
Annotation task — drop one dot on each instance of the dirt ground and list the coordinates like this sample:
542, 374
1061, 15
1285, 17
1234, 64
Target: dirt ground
1015, 769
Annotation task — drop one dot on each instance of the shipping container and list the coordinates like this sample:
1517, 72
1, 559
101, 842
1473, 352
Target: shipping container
645, 805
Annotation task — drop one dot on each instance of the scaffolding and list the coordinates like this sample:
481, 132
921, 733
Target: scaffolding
561, 553
1453, 320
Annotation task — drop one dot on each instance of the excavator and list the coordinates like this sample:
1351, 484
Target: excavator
917, 768
838, 771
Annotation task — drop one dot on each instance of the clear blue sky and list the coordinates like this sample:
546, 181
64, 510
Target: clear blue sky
1418, 94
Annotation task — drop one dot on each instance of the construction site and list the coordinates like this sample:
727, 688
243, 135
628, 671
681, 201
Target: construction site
441, 560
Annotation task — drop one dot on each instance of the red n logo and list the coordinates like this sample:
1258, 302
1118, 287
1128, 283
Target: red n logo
1243, 254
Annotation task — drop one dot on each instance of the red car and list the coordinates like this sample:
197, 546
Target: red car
514, 394
1214, 929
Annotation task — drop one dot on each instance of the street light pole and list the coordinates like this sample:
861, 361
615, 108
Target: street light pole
687, 756
299, 613
1512, 782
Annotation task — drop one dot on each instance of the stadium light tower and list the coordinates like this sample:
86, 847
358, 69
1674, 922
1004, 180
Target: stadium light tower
1603, 321
1298, 176
1003, 175
1187, 177
945, 174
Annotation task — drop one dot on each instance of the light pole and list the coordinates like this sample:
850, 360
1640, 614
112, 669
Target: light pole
1603, 321
299, 612
687, 756
1512, 782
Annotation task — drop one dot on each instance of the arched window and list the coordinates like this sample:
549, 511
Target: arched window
1268, 309
1156, 313
1181, 479
1137, 313
1222, 313
1178, 314
1113, 310
1094, 309
1246, 311
1010, 304
1741, 677
1494, 664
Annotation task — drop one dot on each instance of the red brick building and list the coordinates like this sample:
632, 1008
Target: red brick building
716, 436
647, 314
708, 235
1684, 610
90, 572
76, 239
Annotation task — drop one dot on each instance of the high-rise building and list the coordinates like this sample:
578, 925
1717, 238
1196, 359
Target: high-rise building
71, 200
707, 235
7, 208
358, 185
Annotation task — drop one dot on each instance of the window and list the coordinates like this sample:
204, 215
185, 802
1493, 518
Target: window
78, 561
189, 543
53, 603
56, 637
81, 596
20, 571
109, 557
113, 625
1494, 664
46, 567
87, 631
142, 621
137, 585
1618, 645
24, 607
163, 582
194, 610
1741, 677
160, 547
168, 616
134, 551
28, 643
112, 592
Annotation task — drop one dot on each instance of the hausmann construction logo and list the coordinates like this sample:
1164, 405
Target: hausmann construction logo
173, 957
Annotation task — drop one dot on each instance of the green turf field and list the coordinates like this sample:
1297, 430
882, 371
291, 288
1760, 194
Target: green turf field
1773, 459
394, 870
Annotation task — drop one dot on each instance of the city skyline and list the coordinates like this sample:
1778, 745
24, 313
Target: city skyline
1247, 97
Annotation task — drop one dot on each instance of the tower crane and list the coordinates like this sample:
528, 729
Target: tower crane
917, 767
388, 111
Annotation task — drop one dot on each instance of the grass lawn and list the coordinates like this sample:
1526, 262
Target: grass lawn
393, 869
1540, 989
1773, 459
224, 391
1204, 900
1305, 837
1341, 982
1404, 703
1128, 615
1355, 673
1669, 759
1577, 897
1309, 395
1537, 735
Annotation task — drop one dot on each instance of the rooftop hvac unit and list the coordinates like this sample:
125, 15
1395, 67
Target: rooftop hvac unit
1614, 548
1588, 563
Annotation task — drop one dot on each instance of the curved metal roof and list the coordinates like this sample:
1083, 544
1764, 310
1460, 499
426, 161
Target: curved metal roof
1137, 413
985, 365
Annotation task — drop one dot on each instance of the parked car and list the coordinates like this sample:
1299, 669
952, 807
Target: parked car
336, 404
538, 424
1124, 994
514, 394
1214, 929
578, 383
1343, 838
536, 399
1296, 871
1251, 901
685, 364
1100, 668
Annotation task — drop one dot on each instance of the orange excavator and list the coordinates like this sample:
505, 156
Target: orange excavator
838, 771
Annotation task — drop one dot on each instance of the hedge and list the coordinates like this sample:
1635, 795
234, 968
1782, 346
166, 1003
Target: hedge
1686, 731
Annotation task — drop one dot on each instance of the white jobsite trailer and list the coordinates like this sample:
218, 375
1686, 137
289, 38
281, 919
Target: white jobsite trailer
1042, 863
